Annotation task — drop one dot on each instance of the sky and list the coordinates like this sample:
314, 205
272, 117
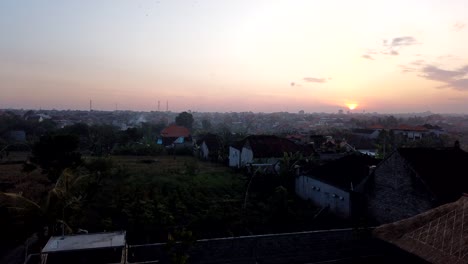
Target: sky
243, 55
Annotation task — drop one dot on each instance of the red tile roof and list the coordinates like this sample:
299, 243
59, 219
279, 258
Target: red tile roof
376, 127
410, 128
175, 131
439, 235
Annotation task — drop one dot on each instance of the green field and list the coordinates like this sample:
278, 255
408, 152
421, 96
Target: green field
152, 197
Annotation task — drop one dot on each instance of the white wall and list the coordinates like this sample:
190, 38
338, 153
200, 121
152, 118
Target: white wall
323, 195
234, 157
204, 150
246, 156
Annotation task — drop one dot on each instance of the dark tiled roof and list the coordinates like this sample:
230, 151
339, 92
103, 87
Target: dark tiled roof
376, 126
175, 131
238, 145
344, 171
363, 131
360, 142
429, 126
410, 128
265, 146
444, 171
213, 142
439, 235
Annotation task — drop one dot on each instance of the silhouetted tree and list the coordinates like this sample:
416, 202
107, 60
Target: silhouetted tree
102, 139
55, 153
206, 124
184, 119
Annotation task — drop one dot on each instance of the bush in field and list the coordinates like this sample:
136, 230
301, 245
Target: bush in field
138, 149
55, 153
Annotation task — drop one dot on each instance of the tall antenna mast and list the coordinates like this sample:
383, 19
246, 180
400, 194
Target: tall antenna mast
167, 106
159, 105
90, 105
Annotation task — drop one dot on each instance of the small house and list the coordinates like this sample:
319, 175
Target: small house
210, 147
175, 135
336, 185
263, 149
411, 132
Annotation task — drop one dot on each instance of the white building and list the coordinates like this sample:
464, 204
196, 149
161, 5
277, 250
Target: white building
336, 185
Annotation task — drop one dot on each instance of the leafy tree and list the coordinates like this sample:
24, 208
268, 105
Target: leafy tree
130, 135
178, 252
150, 131
21, 216
206, 124
390, 121
78, 129
55, 153
184, 119
102, 139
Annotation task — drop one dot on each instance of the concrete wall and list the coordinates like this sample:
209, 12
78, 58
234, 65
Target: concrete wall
324, 195
395, 193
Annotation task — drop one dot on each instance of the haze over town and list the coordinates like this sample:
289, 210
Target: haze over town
260, 56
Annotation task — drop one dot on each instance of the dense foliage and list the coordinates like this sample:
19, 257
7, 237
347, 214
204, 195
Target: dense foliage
169, 194
184, 119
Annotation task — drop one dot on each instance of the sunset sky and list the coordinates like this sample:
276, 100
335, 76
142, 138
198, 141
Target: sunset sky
219, 55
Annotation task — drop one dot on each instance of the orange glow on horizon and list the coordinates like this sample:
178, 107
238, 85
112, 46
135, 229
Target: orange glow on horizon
352, 106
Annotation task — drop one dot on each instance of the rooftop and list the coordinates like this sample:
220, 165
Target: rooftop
438, 235
265, 146
175, 131
344, 172
410, 128
443, 170
212, 141
83, 242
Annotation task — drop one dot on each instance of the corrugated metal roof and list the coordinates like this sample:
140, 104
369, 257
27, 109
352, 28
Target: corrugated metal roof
85, 241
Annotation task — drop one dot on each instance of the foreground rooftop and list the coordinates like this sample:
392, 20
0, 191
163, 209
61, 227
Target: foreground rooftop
85, 242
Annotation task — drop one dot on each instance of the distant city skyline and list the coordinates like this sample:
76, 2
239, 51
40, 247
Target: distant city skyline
222, 56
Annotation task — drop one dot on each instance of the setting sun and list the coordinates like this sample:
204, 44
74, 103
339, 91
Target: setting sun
352, 106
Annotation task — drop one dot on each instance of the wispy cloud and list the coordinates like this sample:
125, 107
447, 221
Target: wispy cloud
459, 26
400, 41
414, 66
455, 79
315, 80
391, 52
392, 46
367, 56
